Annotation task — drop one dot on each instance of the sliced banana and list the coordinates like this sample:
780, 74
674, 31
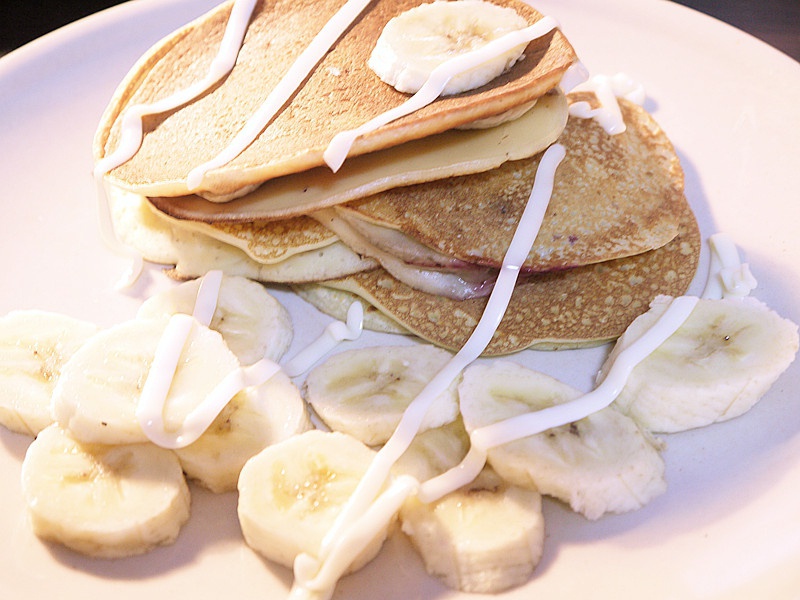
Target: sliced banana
601, 464
291, 493
483, 538
254, 419
252, 322
418, 40
103, 501
100, 386
719, 363
34, 346
364, 392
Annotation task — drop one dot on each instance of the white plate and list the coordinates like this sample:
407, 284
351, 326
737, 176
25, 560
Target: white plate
729, 525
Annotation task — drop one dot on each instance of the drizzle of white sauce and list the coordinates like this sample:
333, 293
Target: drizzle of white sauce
576, 74
728, 276
150, 408
289, 83
608, 89
333, 334
340, 145
321, 573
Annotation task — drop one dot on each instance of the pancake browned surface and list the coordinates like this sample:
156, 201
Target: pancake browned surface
579, 307
340, 94
614, 196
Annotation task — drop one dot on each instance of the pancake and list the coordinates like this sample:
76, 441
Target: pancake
177, 141
579, 307
453, 152
614, 196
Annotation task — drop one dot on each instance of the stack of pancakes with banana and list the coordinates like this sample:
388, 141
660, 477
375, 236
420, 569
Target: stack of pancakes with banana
417, 220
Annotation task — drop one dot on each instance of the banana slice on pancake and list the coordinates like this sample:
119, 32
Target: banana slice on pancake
176, 141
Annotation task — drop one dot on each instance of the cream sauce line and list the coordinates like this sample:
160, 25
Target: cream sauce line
527, 424
333, 334
607, 89
289, 83
379, 470
340, 145
728, 276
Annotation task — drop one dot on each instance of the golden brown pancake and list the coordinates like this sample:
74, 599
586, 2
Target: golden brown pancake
580, 307
614, 196
340, 94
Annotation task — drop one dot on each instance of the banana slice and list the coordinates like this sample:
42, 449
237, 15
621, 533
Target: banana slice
720, 362
484, 538
252, 322
100, 386
103, 501
291, 493
254, 419
364, 392
34, 346
418, 40
601, 464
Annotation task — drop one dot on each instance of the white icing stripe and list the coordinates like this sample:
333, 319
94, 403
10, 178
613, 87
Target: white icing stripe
608, 89
207, 297
532, 423
355, 511
334, 333
728, 276
109, 236
223, 63
287, 86
340, 145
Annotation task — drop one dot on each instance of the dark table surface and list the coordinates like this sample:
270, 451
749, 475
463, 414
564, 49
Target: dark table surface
777, 22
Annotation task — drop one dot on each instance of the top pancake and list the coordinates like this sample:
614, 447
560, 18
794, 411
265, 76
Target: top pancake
340, 94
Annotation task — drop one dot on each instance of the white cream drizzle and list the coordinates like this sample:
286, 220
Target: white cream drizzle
728, 275
576, 74
321, 573
333, 334
289, 83
150, 408
608, 89
340, 145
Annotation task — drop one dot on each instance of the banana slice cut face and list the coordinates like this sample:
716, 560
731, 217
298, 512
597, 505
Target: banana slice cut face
600, 464
483, 538
364, 392
34, 346
715, 367
420, 39
254, 418
291, 493
103, 501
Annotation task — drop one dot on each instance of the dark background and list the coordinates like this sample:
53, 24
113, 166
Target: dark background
777, 22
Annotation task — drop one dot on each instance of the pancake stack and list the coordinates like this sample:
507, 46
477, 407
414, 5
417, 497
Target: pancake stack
438, 191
